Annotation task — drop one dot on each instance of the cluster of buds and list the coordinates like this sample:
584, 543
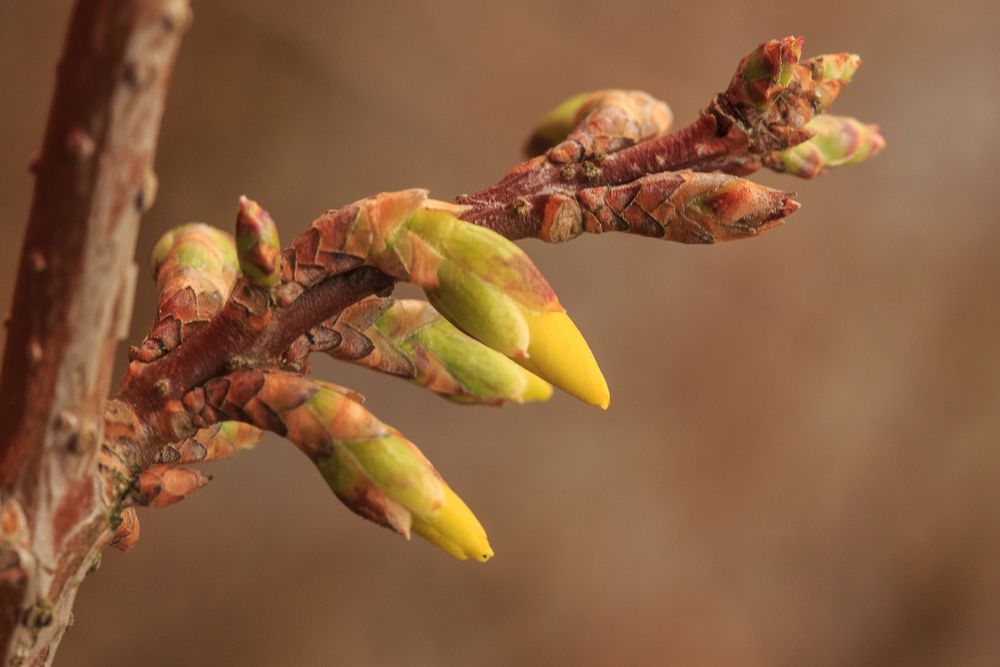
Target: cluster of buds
237, 319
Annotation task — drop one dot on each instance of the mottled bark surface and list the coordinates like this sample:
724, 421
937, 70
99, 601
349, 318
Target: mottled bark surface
72, 305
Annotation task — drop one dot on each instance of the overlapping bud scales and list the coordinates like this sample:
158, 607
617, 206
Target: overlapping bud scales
163, 485
490, 288
370, 466
765, 72
830, 73
773, 96
838, 141
480, 281
686, 206
408, 338
215, 442
257, 244
194, 266
601, 122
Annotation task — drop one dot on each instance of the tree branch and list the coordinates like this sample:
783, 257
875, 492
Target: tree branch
72, 304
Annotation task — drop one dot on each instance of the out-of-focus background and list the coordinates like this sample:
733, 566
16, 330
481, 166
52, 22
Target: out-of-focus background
801, 464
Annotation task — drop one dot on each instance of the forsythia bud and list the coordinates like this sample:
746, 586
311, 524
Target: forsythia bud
194, 254
831, 72
382, 476
762, 75
480, 281
838, 141
490, 288
257, 244
556, 124
438, 356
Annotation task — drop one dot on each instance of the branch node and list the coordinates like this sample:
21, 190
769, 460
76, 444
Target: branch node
37, 261
146, 196
80, 145
35, 351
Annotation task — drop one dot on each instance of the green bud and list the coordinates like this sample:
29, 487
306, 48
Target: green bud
838, 141
831, 72
195, 245
764, 73
257, 244
489, 288
451, 363
382, 476
556, 124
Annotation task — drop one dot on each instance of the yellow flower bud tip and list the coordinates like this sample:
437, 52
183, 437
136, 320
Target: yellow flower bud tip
558, 352
536, 390
455, 529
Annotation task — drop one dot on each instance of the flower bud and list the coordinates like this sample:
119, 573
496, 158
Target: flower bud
438, 356
490, 288
382, 476
838, 141
257, 244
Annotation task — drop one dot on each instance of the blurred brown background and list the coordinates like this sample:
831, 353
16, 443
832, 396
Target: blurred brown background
801, 462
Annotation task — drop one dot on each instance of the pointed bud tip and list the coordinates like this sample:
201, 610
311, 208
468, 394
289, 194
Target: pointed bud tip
536, 389
790, 205
877, 140
558, 352
257, 244
455, 529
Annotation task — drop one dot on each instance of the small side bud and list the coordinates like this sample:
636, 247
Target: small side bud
831, 72
162, 485
555, 125
764, 73
839, 141
257, 244
126, 534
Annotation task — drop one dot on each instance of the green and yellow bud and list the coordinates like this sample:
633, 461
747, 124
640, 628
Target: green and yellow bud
445, 360
194, 248
838, 141
455, 529
490, 288
257, 244
556, 124
831, 72
478, 280
382, 476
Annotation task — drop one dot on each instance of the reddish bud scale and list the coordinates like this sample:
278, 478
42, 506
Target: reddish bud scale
127, 533
686, 206
162, 485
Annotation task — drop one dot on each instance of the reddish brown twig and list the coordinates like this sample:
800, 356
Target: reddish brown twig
765, 108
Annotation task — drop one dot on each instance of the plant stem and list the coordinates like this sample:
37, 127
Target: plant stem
72, 304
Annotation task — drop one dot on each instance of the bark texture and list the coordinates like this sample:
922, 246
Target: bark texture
72, 304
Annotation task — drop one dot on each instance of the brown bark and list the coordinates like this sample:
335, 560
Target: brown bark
71, 306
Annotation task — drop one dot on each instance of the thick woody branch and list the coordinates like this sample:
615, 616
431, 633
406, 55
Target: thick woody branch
72, 303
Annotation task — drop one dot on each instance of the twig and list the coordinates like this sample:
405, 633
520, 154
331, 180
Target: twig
72, 304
